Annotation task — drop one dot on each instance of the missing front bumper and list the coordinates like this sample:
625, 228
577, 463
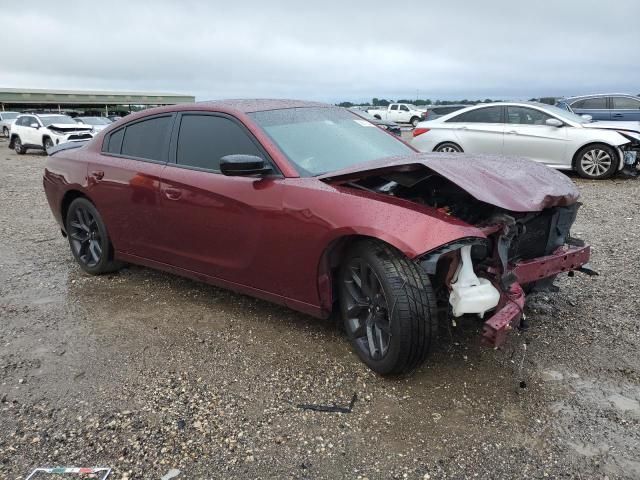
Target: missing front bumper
510, 309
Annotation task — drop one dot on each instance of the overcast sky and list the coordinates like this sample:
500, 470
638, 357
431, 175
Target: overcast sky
325, 50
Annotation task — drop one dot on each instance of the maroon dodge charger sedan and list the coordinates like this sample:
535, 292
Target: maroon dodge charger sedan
310, 206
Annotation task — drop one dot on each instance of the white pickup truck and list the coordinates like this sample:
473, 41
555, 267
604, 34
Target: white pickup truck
400, 113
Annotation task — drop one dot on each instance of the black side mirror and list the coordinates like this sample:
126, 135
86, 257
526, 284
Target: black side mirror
243, 165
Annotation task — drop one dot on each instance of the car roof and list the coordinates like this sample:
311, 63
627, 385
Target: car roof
45, 114
453, 105
262, 104
595, 95
513, 104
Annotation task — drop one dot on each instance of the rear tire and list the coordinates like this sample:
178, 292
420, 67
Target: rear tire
415, 121
18, 147
448, 147
88, 238
596, 162
388, 307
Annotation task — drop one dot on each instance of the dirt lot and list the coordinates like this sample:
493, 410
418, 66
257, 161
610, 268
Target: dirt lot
146, 372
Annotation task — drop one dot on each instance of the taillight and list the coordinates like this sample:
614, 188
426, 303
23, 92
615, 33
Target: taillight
420, 131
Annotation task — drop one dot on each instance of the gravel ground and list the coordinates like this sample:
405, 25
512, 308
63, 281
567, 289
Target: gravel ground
147, 372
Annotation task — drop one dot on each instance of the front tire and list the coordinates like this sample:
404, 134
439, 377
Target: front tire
47, 143
597, 162
448, 147
88, 238
388, 307
5, 132
18, 147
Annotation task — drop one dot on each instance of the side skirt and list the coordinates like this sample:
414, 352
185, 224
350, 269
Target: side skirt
303, 307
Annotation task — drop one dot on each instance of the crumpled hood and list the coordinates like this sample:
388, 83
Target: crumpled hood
67, 127
612, 125
512, 183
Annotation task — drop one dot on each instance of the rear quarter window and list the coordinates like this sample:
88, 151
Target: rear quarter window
113, 142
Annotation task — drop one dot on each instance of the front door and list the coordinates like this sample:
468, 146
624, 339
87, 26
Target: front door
596, 107
527, 135
221, 226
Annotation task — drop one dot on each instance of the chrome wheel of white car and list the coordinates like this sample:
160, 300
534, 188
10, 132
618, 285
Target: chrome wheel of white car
597, 162
448, 148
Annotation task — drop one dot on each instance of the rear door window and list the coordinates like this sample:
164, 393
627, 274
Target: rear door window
626, 103
204, 139
480, 115
147, 139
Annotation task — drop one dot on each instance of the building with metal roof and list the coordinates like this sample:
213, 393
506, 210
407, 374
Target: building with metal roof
35, 99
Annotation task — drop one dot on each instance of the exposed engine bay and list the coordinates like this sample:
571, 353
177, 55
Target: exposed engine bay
477, 275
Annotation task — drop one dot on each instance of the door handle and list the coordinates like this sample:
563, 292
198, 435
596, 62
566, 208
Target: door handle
512, 132
618, 115
172, 193
98, 174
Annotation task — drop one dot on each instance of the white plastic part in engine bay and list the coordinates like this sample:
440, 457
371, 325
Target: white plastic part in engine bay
470, 294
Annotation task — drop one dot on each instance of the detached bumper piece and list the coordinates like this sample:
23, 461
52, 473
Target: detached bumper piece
510, 309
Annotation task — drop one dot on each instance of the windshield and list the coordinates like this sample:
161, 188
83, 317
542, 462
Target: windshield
9, 115
94, 120
567, 115
319, 140
62, 119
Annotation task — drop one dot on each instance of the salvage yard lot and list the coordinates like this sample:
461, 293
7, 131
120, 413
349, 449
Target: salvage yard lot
145, 372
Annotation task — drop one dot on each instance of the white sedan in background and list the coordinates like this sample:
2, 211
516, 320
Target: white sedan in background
544, 133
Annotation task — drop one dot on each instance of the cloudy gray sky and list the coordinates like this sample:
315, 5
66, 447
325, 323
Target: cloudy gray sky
325, 50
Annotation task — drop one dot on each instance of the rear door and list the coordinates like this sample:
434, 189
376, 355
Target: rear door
480, 130
221, 226
625, 108
597, 107
404, 114
393, 113
124, 183
527, 135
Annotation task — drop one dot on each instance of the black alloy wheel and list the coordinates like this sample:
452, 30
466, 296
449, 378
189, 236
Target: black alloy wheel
367, 310
88, 238
388, 307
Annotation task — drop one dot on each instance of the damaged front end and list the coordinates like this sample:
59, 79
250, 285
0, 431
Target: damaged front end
520, 252
523, 213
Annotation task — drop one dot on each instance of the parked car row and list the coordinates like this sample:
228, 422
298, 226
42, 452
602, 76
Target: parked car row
547, 134
97, 122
